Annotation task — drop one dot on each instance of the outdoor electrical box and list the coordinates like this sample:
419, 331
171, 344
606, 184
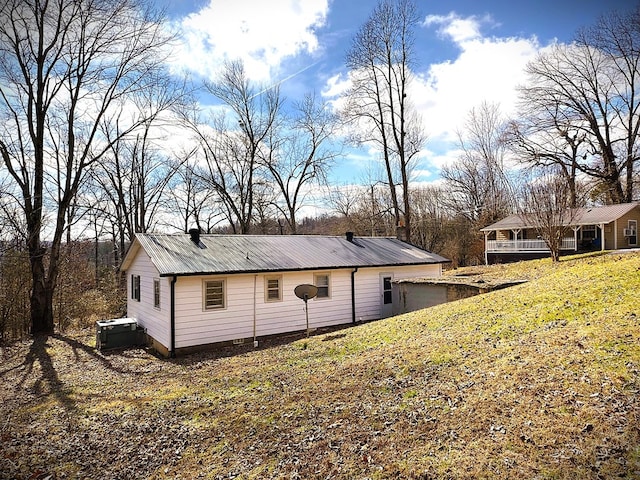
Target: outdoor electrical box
117, 333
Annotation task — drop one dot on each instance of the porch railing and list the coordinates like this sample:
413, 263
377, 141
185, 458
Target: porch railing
526, 245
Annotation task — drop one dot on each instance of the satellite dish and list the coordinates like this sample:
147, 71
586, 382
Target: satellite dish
305, 291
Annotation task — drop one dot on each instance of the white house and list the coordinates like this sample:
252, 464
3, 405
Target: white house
191, 290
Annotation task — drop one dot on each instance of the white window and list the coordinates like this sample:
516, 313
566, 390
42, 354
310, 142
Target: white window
156, 293
214, 293
322, 281
633, 230
273, 288
135, 287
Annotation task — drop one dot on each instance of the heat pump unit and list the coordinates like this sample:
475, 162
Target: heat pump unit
118, 333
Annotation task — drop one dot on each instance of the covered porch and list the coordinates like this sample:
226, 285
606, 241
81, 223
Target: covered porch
595, 228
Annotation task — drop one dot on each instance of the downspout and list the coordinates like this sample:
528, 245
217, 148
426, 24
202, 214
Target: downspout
172, 351
353, 294
255, 338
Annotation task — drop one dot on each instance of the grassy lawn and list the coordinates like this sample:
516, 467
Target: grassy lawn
537, 381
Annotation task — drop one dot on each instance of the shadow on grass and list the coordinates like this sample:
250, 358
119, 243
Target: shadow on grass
214, 352
48, 382
37, 372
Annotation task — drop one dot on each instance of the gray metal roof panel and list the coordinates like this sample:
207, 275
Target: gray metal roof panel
177, 255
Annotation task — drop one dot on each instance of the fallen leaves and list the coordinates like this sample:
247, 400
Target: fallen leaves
538, 381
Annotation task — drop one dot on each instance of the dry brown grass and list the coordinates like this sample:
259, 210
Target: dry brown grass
538, 381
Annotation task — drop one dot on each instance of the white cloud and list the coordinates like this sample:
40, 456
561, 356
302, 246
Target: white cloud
262, 34
486, 69
457, 28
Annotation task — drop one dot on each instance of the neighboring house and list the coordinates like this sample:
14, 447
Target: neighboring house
190, 290
597, 228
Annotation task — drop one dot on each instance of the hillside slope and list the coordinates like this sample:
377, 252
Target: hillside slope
536, 381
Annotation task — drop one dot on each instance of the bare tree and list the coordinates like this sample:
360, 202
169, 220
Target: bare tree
135, 175
547, 207
378, 103
231, 141
299, 154
194, 203
544, 139
592, 86
65, 69
478, 186
430, 217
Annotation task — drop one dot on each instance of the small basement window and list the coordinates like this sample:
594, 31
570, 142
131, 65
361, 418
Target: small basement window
321, 280
273, 288
214, 293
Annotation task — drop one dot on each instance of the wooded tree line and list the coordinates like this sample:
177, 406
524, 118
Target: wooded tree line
99, 141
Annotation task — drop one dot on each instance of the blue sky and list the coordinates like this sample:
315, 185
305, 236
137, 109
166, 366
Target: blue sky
468, 52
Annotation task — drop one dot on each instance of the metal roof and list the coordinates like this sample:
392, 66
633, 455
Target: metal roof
584, 216
177, 254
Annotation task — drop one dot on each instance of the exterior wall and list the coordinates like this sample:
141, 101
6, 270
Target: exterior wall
247, 313
368, 291
608, 235
155, 321
415, 296
622, 223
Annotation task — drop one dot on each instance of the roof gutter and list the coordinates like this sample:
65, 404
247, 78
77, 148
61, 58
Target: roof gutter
353, 295
172, 347
305, 269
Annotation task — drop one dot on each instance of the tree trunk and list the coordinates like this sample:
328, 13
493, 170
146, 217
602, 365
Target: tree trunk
41, 297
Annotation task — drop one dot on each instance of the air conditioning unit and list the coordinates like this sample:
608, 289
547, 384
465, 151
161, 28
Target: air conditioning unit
118, 333
629, 232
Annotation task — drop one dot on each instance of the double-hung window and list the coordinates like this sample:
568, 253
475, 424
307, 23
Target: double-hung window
273, 288
135, 287
214, 294
156, 293
322, 281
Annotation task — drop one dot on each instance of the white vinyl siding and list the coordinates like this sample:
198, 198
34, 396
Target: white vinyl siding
244, 294
155, 321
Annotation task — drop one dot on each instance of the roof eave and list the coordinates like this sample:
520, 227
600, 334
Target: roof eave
303, 269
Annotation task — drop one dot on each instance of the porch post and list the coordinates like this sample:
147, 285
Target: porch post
515, 242
602, 237
486, 246
575, 238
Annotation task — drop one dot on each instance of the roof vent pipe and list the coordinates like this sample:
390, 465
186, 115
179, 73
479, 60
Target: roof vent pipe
349, 236
195, 235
